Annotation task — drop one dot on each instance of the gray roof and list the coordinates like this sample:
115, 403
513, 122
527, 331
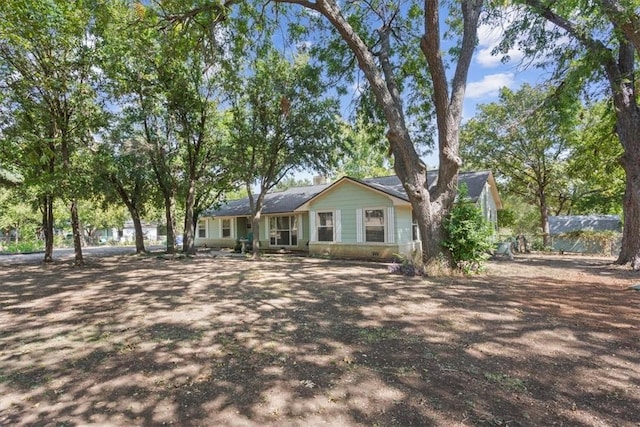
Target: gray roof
276, 202
292, 198
475, 182
567, 223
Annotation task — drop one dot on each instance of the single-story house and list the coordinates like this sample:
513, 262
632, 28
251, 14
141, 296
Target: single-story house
564, 239
127, 233
350, 218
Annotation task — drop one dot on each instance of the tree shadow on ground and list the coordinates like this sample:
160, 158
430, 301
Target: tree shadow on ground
304, 342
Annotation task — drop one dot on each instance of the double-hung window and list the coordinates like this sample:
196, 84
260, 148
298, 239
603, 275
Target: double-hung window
202, 228
325, 226
226, 228
374, 224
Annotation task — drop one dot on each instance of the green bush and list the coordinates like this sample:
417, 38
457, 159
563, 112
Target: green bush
24, 247
469, 235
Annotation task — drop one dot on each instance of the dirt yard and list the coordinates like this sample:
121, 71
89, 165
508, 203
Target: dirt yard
539, 341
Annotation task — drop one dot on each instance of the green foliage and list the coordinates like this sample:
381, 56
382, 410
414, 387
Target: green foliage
594, 166
25, 246
469, 235
281, 119
506, 218
366, 151
524, 138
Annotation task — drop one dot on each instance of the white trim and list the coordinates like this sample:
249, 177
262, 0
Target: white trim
300, 228
359, 225
390, 225
337, 231
312, 227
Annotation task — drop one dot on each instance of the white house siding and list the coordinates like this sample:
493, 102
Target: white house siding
488, 205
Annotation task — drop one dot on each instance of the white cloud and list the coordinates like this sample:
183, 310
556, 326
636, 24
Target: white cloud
489, 37
489, 85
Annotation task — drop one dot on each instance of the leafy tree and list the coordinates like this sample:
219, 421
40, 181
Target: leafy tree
525, 138
384, 39
167, 78
96, 215
45, 51
191, 91
280, 122
594, 167
366, 151
16, 216
132, 49
603, 47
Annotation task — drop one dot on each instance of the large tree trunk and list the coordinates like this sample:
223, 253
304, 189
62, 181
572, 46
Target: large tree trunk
630, 250
77, 233
188, 245
621, 78
544, 219
47, 226
139, 234
256, 212
132, 204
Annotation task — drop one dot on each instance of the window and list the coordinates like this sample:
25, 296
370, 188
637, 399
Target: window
374, 225
415, 230
202, 228
283, 231
226, 228
324, 222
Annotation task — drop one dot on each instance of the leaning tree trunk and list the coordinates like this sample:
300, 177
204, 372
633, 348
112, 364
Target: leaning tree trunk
139, 234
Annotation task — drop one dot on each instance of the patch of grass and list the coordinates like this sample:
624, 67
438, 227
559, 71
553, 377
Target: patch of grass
506, 381
377, 335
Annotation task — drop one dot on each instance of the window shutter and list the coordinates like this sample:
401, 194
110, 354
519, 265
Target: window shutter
391, 225
338, 229
359, 227
312, 226
219, 228
266, 228
300, 228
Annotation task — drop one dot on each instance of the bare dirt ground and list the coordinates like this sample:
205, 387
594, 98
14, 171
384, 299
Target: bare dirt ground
542, 340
